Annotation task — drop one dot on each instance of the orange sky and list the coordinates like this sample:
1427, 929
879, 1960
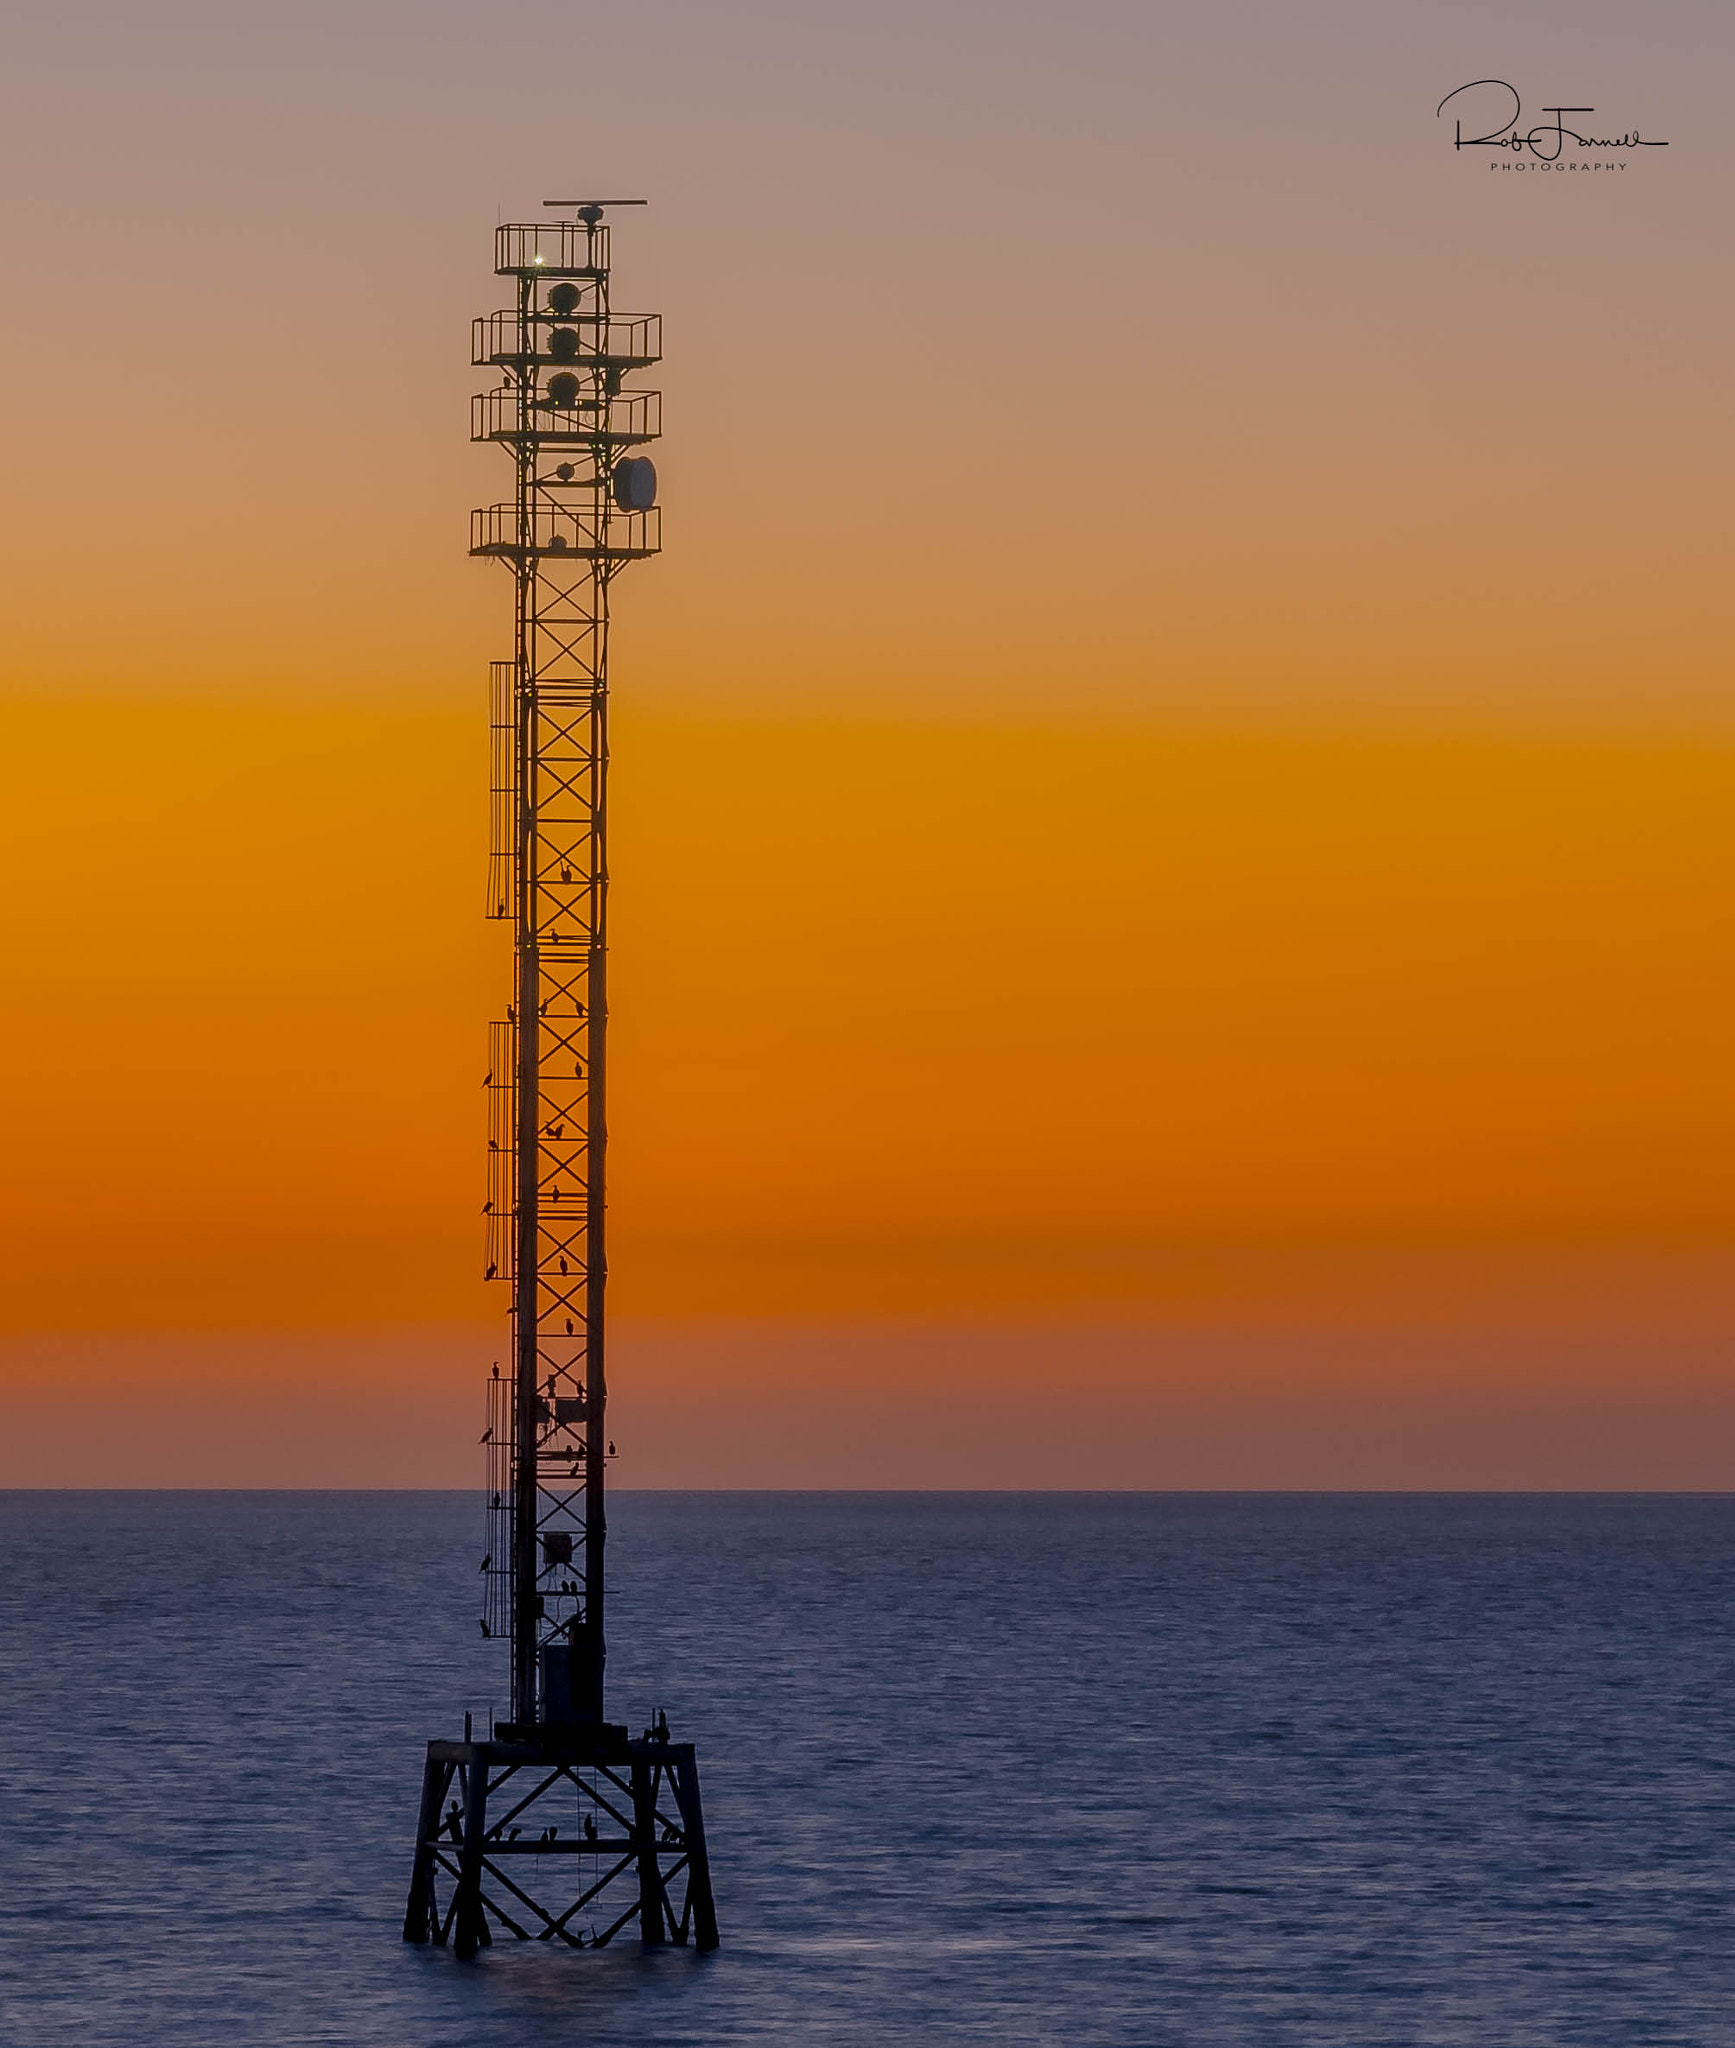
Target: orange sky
1172, 786
941, 1019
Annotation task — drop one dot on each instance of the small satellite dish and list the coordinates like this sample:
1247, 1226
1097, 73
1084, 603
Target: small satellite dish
563, 344
635, 483
563, 390
563, 470
557, 543
563, 301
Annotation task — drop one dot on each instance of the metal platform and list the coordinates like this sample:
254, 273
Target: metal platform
626, 421
587, 533
551, 248
561, 1835
596, 339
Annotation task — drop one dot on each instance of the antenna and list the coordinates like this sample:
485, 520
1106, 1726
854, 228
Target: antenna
590, 211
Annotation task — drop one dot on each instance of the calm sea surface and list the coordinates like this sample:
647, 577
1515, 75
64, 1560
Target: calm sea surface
1054, 1768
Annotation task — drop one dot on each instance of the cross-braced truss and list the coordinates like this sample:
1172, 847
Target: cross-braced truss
560, 1847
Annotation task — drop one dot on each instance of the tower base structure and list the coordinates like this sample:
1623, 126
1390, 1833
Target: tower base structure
561, 1833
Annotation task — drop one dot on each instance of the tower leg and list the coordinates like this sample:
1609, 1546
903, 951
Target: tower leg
651, 1931
421, 1921
685, 1772
471, 1922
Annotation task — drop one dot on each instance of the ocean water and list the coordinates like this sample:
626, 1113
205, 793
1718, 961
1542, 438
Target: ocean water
1040, 1768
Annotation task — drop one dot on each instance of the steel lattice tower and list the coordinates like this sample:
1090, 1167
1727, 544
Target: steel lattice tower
565, 418
584, 505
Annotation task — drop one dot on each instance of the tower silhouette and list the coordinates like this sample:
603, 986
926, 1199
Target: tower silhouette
558, 1825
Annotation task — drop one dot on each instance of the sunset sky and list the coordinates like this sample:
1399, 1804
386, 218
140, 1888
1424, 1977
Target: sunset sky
1174, 888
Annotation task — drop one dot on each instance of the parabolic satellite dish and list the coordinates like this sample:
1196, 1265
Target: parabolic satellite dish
563, 300
635, 483
562, 390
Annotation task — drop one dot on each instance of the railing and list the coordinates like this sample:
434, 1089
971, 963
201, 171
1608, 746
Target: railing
554, 248
622, 422
584, 533
620, 342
